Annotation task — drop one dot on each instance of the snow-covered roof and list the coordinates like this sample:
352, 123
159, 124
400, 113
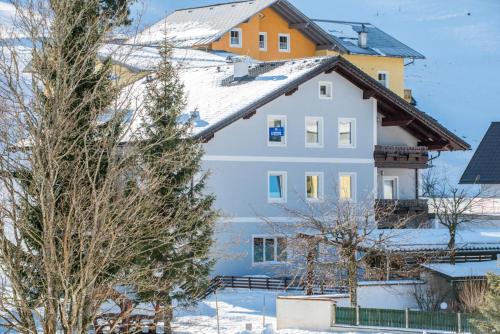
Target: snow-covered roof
215, 96
465, 269
202, 25
379, 43
437, 239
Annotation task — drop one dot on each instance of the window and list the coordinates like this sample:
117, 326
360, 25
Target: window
347, 186
284, 42
347, 133
276, 126
390, 187
314, 186
269, 249
314, 131
383, 78
325, 90
263, 41
276, 187
235, 38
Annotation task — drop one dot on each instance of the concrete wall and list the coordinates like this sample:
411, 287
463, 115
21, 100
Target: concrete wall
306, 313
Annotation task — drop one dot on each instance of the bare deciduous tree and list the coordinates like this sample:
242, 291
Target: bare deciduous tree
451, 204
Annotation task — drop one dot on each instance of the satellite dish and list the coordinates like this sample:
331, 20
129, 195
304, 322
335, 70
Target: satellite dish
443, 306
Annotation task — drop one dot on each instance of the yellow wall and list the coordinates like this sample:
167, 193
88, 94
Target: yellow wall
373, 64
273, 24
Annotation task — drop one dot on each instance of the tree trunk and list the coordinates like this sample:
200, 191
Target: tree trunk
451, 244
311, 254
352, 275
169, 316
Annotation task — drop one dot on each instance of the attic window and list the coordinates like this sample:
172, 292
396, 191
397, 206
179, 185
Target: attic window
383, 78
235, 38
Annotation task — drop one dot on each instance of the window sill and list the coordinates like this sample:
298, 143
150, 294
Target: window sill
236, 46
268, 263
347, 146
276, 201
314, 146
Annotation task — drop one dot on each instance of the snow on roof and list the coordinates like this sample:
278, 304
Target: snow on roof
141, 58
379, 43
466, 269
202, 25
437, 239
213, 94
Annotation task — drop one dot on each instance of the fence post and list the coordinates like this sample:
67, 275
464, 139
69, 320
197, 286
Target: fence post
407, 317
334, 314
357, 315
459, 318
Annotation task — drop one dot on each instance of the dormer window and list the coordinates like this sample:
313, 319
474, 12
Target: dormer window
235, 38
383, 78
284, 42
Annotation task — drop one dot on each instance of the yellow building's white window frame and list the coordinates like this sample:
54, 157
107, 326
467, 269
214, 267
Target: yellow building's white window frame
288, 44
264, 46
232, 42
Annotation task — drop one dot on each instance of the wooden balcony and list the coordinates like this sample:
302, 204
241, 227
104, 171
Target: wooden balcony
409, 213
401, 157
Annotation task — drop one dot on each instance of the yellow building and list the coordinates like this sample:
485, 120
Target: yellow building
272, 30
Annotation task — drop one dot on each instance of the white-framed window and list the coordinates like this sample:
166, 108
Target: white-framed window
347, 186
390, 187
263, 41
325, 90
276, 187
268, 249
314, 131
347, 132
276, 130
383, 78
314, 186
284, 43
235, 38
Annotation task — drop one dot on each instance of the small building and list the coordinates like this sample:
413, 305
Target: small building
461, 272
484, 167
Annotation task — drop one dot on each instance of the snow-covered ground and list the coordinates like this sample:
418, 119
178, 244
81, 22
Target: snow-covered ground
236, 308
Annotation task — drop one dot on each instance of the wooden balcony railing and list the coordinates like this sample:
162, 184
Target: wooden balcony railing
410, 213
414, 157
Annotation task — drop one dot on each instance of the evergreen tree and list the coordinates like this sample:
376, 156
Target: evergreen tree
489, 321
172, 162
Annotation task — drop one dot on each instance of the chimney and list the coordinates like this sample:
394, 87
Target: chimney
240, 69
363, 37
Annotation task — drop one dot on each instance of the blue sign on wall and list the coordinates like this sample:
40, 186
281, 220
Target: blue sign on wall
277, 132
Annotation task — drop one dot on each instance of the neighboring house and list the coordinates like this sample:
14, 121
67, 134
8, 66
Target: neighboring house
270, 30
484, 167
283, 134
462, 272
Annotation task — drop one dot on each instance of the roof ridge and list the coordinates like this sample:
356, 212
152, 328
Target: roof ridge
214, 5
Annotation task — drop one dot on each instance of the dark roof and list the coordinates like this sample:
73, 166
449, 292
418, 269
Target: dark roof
379, 43
422, 126
484, 167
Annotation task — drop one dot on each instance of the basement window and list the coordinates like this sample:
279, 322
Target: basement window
235, 38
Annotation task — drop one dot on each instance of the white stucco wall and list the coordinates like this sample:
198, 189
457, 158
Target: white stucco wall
306, 313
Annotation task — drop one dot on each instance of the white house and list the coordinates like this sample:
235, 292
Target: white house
280, 134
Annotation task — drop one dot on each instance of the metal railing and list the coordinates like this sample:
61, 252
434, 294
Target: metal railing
408, 319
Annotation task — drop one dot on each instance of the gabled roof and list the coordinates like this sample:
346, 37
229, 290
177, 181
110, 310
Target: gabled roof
484, 167
422, 126
200, 26
379, 43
